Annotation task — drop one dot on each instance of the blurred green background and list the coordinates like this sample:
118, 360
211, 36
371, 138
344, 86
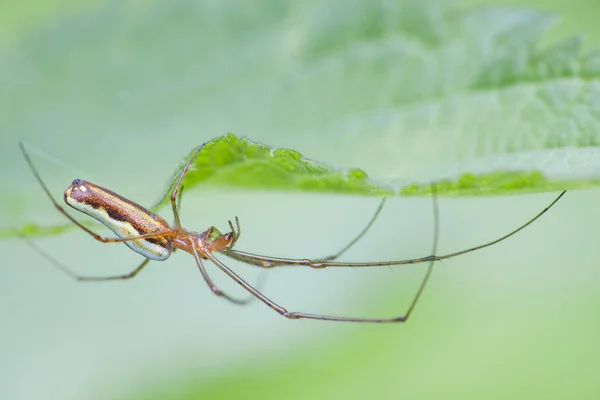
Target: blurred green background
118, 92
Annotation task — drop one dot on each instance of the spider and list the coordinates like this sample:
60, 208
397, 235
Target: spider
151, 236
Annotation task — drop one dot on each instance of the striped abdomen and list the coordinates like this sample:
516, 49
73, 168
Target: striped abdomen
125, 218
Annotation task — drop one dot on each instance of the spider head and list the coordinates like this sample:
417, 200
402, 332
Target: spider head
214, 240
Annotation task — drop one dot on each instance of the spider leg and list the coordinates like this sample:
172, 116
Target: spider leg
273, 262
68, 271
211, 284
270, 262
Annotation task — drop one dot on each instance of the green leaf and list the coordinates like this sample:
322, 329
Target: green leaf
240, 162
35, 230
231, 161
464, 98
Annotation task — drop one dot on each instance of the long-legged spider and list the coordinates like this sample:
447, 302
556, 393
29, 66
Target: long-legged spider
151, 236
